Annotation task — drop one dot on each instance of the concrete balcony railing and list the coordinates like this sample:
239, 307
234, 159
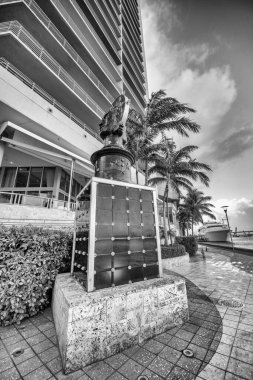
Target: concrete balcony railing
42, 17
33, 86
21, 34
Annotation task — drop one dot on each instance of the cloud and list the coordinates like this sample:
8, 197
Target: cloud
233, 146
236, 207
181, 69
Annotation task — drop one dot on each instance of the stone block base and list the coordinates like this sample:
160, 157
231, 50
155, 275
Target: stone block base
93, 326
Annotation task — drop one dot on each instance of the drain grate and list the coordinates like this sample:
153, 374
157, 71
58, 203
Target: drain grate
188, 353
142, 377
17, 352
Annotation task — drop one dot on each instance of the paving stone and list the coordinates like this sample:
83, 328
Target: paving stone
229, 331
100, 370
46, 326
199, 352
228, 339
27, 354
49, 354
21, 344
154, 346
3, 353
28, 332
231, 376
202, 341
55, 365
189, 364
144, 357
12, 339
228, 323
72, 376
115, 376
191, 328
36, 339
29, 365
178, 344
244, 344
240, 368
212, 373
163, 338
42, 346
224, 349
243, 355
179, 373
117, 360
219, 360
170, 354
160, 366
131, 370
49, 333
41, 373
206, 332
8, 331
186, 335
10, 374
5, 364
131, 351
151, 375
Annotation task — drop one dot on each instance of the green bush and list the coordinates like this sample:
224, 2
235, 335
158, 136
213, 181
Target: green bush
30, 259
190, 243
173, 251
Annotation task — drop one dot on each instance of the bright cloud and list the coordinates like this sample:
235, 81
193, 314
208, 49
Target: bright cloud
181, 71
236, 206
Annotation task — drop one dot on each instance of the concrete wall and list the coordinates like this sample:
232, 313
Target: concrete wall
175, 262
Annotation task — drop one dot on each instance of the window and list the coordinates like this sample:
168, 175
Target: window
35, 177
9, 177
22, 177
48, 177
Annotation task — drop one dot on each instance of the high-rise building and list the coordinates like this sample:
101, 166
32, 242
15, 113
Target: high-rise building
62, 63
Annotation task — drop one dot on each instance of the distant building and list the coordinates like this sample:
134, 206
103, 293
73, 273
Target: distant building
62, 63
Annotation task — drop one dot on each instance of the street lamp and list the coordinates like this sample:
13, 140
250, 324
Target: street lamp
225, 208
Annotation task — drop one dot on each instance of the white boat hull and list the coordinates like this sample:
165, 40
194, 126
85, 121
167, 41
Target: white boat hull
218, 235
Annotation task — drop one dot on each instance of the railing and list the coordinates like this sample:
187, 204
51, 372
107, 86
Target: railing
86, 43
34, 200
26, 38
46, 223
28, 82
31, 4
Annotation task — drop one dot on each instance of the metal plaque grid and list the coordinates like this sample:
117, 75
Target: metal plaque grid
123, 243
79, 261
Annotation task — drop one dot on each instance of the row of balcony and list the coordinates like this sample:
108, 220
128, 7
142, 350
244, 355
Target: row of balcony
52, 101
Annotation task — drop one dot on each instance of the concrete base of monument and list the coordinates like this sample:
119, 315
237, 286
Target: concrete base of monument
94, 326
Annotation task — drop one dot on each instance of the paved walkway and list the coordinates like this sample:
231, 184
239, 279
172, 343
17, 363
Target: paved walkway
219, 333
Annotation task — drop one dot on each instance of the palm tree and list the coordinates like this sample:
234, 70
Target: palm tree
184, 217
161, 114
175, 169
198, 205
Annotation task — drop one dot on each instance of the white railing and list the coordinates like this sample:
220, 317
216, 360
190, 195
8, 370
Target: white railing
27, 81
34, 200
37, 11
26, 38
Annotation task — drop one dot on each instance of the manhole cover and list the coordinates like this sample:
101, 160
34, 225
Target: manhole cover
188, 353
17, 352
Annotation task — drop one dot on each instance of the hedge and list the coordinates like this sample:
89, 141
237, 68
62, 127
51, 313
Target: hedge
173, 251
190, 243
30, 259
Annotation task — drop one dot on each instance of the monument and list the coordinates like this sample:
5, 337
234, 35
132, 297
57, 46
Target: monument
116, 295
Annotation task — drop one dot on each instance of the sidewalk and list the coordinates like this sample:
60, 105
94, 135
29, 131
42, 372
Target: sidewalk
219, 333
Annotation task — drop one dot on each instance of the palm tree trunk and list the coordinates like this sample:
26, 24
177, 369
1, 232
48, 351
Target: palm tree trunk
146, 172
168, 215
137, 171
192, 225
164, 221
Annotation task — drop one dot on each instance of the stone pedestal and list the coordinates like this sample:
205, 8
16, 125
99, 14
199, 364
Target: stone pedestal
93, 326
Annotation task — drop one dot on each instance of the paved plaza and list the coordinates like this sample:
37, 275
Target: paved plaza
219, 333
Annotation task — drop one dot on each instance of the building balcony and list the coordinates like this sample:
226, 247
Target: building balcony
76, 29
24, 52
130, 93
137, 49
101, 26
46, 33
136, 74
132, 51
134, 27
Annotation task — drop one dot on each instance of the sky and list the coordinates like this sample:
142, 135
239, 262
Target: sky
201, 53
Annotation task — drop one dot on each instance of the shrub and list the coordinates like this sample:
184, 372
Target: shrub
190, 243
173, 251
30, 259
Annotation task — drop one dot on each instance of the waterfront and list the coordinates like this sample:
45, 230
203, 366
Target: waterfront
243, 242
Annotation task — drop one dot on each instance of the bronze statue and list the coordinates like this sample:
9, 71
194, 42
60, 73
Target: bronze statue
113, 124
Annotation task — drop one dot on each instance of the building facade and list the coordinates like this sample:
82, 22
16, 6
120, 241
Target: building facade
62, 63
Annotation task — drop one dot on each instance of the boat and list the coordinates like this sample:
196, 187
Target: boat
214, 231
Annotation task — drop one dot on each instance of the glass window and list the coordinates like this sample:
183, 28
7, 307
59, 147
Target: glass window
61, 197
22, 177
48, 177
9, 177
65, 179
35, 177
